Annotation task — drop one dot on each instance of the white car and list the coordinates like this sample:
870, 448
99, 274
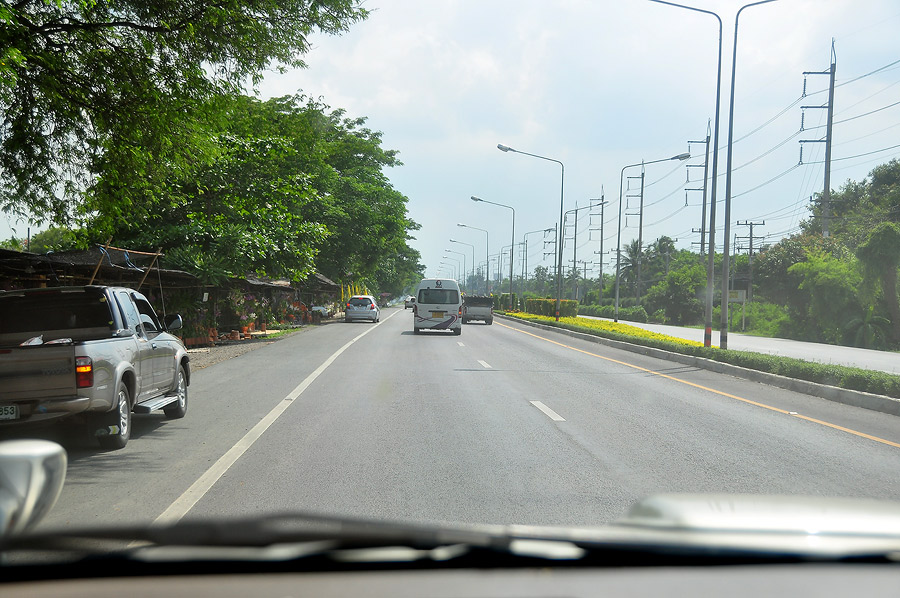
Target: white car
410, 301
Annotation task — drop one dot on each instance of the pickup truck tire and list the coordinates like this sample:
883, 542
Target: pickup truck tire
177, 409
120, 417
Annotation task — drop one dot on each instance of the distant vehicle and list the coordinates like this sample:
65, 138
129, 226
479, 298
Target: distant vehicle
410, 301
321, 310
438, 306
362, 307
478, 308
91, 353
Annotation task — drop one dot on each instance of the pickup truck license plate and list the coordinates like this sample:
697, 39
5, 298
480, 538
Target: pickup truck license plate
437, 314
9, 412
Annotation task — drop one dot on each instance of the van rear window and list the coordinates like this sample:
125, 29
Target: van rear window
432, 296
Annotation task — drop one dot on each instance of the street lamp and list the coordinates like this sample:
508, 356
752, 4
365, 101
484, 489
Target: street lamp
723, 330
512, 242
562, 183
711, 258
463, 260
473, 254
455, 266
525, 253
487, 287
681, 157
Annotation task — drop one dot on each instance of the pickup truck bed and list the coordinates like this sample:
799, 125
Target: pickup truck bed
93, 354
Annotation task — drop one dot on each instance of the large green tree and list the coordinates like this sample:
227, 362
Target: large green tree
880, 255
104, 102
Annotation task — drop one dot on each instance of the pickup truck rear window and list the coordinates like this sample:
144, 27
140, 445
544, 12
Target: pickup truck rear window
37, 312
438, 296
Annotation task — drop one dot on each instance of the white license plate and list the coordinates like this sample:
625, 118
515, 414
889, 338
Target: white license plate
437, 314
9, 412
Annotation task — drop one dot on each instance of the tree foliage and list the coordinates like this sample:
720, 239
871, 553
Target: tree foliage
103, 101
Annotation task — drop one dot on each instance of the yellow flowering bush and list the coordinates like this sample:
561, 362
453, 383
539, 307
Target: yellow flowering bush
609, 329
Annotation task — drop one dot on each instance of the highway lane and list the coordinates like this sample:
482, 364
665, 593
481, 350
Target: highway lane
444, 428
437, 427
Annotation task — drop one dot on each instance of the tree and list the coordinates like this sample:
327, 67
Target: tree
678, 294
868, 329
830, 290
105, 102
880, 255
295, 188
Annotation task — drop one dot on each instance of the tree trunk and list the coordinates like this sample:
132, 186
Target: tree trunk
889, 287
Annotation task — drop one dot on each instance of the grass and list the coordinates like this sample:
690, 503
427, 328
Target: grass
851, 378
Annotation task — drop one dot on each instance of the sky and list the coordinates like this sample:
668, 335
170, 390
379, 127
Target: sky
599, 85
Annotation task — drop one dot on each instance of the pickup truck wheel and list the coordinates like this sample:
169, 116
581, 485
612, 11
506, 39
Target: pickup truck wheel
491, 321
120, 418
177, 409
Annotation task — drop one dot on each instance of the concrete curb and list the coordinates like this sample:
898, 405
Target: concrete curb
855, 398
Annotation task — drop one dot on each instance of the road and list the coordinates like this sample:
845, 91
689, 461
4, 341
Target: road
868, 359
503, 424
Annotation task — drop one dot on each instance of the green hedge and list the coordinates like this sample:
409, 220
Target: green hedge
631, 314
547, 307
501, 302
851, 378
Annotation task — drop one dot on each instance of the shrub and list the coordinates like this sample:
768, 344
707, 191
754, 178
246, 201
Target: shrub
876, 382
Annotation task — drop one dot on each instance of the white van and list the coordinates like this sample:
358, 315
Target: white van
438, 305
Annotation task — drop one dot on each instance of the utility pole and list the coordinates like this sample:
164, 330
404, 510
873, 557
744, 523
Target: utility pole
640, 214
751, 237
602, 206
826, 192
702, 230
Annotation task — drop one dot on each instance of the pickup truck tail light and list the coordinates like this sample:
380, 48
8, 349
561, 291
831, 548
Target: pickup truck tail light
84, 372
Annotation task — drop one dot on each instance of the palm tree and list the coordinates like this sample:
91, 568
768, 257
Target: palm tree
870, 329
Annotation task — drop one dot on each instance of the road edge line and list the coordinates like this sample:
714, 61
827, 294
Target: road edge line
190, 497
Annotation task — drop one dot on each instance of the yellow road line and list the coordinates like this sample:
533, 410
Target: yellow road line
706, 388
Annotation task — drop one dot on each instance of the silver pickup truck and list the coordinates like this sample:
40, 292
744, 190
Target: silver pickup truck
93, 354
478, 308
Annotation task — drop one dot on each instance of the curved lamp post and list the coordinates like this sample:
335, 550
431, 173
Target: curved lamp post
512, 241
562, 184
682, 157
446, 251
473, 254
487, 287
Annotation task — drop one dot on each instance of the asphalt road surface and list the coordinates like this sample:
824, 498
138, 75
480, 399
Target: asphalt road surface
503, 424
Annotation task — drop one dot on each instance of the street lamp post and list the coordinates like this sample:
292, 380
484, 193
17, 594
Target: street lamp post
487, 289
562, 183
525, 254
473, 255
711, 258
723, 330
619, 234
454, 266
446, 251
512, 242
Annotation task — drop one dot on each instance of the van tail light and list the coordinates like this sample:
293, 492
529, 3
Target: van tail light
460, 311
84, 372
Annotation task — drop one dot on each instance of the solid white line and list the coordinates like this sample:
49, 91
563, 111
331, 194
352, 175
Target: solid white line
548, 412
485, 364
198, 489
